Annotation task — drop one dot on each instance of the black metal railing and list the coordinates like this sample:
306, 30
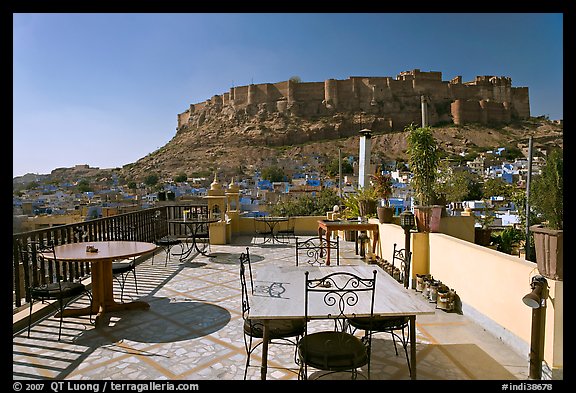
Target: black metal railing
138, 225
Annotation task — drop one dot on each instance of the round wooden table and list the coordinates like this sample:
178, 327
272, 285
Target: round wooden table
101, 272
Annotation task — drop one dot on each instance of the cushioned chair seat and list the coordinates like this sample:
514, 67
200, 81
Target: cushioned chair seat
168, 241
120, 271
122, 267
333, 351
380, 324
55, 291
280, 328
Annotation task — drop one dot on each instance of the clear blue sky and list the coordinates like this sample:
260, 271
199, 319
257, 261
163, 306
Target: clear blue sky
104, 89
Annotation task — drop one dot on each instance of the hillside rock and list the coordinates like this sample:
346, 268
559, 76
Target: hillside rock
235, 145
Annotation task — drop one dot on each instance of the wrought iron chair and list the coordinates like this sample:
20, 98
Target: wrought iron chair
122, 269
282, 331
164, 241
336, 350
403, 259
389, 324
50, 280
288, 231
261, 230
314, 250
385, 325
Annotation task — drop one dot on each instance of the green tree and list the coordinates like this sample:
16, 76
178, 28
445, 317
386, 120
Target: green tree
84, 186
32, 185
132, 185
453, 184
333, 167
151, 180
509, 238
511, 153
180, 177
273, 174
307, 205
497, 187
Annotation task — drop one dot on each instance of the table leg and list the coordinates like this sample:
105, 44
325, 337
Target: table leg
189, 247
376, 235
195, 231
328, 233
413, 347
271, 225
103, 296
265, 342
320, 240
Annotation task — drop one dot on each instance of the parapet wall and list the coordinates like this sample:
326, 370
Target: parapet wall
486, 99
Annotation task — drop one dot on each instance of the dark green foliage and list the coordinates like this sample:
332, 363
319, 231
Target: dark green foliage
424, 160
307, 205
273, 173
151, 179
181, 177
547, 192
84, 186
508, 239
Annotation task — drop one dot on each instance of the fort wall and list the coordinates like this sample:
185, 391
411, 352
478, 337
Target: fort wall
396, 102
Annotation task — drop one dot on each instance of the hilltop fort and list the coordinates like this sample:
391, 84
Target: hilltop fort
393, 103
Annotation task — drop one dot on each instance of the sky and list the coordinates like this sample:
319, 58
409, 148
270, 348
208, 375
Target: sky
104, 89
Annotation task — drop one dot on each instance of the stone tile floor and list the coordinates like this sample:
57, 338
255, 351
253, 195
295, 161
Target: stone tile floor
193, 331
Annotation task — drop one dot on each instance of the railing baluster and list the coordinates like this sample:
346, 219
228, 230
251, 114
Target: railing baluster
106, 228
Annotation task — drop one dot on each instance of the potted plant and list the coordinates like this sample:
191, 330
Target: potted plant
382, 184
362, 203
424, 159
546, 198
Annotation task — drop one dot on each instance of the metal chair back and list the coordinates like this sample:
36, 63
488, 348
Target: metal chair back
314, 250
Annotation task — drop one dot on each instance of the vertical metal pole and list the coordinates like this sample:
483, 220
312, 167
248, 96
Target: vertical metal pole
340, 174
536, 344
527, 252
407, 260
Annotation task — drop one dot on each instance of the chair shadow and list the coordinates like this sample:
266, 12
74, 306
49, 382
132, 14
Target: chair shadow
229, 258
168, 320
435, 362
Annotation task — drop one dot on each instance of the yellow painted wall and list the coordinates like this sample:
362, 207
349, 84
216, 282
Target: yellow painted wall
554, 343
491, 282
461, 227
494, 283
303, 226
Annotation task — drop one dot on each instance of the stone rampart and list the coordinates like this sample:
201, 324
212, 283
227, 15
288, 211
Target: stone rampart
486, 99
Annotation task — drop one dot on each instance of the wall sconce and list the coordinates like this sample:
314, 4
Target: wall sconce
535, 299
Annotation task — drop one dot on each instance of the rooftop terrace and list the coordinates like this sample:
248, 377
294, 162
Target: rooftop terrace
193, 331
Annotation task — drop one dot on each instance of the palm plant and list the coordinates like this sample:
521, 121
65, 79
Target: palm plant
359, 204
382, 184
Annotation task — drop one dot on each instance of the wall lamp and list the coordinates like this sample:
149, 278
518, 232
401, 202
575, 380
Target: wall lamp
536, 300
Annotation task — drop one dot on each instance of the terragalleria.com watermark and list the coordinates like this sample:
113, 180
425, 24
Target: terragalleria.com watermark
101, 387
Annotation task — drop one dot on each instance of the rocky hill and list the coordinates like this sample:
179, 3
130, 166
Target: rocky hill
235, 146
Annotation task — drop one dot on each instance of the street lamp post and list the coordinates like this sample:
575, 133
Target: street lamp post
407, 222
